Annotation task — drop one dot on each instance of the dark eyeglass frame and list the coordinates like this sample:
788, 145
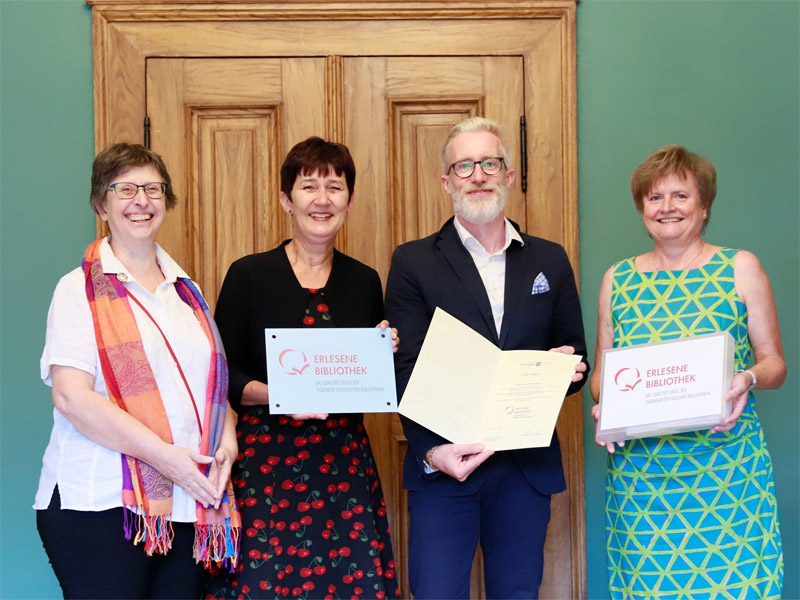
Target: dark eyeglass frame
479, 162
144, 187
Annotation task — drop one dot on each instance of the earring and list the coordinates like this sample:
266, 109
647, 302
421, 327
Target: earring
291, 212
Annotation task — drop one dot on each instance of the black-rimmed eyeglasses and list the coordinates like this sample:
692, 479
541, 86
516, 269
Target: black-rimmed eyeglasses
490, 166
125, 190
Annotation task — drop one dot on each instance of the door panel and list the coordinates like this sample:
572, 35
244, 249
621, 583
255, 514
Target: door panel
223, 127
402, 108
232, 175
412, 102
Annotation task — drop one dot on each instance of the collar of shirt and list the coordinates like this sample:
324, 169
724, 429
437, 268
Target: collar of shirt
474, 246
111, 264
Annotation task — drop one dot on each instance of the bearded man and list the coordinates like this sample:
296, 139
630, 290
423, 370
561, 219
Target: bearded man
519, 292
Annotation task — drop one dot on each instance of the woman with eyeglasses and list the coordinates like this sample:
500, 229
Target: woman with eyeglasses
134, 495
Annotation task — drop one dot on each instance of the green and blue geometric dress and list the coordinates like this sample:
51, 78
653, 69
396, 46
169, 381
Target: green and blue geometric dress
691, 515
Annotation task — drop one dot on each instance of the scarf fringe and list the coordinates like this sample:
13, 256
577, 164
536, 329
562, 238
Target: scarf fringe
155, 531
217, 543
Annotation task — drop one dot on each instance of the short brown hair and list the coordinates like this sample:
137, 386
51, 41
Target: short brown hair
118, 158
675, 159
315, 155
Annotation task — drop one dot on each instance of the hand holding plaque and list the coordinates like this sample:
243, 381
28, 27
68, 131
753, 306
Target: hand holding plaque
665, 387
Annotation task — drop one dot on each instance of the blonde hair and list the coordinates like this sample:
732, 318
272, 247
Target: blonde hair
475, 124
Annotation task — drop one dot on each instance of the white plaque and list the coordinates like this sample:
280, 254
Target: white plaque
665, 387
336, 370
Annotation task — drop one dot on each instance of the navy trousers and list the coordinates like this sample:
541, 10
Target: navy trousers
507, 515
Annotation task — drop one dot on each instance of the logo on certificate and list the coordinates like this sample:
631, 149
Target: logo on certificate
627, 379
293, 362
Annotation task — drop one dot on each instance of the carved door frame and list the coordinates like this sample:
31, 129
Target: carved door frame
125, 33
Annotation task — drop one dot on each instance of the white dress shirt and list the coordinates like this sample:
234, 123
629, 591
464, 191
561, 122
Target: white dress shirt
89, 476
491, 267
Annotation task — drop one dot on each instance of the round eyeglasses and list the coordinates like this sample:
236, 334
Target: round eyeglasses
125, 190
490, 166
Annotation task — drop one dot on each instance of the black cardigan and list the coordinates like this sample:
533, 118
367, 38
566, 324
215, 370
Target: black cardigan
261, 290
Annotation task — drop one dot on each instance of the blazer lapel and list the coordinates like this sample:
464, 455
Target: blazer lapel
464, 267
514, 286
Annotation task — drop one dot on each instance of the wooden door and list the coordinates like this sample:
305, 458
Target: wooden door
230, 87
225, 125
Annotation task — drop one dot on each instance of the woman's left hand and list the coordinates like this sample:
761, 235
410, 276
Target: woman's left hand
737, 396
220, 472
395, 338
607, 445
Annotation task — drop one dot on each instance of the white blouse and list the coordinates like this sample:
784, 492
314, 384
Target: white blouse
89, 476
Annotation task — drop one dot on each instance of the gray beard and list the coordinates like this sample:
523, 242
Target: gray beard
480, 211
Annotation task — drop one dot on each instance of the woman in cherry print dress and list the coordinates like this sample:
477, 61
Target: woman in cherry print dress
313, 513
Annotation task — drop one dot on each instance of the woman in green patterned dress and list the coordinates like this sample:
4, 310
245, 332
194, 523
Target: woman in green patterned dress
692, 515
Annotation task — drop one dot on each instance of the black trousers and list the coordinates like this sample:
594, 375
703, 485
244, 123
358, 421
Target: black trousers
92, 559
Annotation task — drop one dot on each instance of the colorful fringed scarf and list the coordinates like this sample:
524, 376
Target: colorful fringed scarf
131, 384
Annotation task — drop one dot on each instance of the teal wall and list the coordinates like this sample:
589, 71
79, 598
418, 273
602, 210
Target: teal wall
719, 77
46, 152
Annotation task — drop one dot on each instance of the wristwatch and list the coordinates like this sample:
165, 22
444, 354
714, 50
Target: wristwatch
752, 376
428, 460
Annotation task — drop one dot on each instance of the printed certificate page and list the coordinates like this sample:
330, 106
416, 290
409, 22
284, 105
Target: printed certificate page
467, 390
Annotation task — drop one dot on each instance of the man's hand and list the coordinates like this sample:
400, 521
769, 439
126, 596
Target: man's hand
459, 460
580, 368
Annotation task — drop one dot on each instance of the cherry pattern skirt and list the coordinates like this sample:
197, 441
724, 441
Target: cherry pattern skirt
313, 514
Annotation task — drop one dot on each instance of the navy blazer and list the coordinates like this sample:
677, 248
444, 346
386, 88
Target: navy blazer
439, 271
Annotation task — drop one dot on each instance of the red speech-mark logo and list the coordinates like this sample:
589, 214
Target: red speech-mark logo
293, 362
627, 379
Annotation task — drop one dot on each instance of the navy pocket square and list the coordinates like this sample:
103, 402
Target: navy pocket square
540, 284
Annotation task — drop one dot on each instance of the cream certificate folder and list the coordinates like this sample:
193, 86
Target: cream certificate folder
466, 389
